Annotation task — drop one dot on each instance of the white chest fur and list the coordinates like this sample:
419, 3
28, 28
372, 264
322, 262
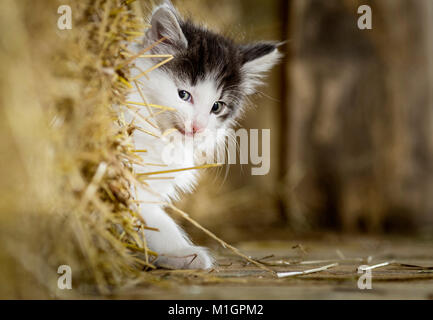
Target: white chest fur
155, 152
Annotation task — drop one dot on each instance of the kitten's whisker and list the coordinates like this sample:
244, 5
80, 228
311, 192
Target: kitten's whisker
268, 96
227, 152
233, 139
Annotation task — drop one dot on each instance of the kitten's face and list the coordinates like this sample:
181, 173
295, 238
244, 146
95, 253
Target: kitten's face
208, 78
200, 106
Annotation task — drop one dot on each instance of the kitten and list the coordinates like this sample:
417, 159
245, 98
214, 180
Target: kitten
206, 83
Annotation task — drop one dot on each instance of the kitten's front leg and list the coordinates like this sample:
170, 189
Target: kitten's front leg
175, 250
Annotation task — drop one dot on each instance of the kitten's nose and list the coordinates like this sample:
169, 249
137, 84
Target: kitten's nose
197, 127
199, 123
192, 128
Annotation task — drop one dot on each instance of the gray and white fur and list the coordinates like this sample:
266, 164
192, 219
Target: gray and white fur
206, 83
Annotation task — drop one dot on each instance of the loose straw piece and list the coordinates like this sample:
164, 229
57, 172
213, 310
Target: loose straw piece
147, 132
222, 242
158, 178
206, 166
297, 273
153, 68
332, 260
155, 164
308, 262
128, 61
150, 105
125, 82
134, 33
93, 186
380, 265
140, 92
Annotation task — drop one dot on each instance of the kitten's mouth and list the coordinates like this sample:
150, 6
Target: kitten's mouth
183, 132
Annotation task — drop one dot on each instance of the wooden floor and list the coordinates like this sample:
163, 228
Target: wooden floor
409, 274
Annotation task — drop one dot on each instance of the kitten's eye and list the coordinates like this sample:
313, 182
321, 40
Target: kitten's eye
218, 107
185, 95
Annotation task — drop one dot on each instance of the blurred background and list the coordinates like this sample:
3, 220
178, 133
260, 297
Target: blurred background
351, 119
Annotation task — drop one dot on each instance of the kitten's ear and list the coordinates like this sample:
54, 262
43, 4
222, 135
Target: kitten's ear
166, 23
258, 59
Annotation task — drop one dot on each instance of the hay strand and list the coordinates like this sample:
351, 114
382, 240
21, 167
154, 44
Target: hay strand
297, 273
221, 242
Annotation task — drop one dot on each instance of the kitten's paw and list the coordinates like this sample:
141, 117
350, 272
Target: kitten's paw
186, 258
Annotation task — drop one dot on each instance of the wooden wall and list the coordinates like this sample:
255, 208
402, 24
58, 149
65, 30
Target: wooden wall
350, 113
361, 115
